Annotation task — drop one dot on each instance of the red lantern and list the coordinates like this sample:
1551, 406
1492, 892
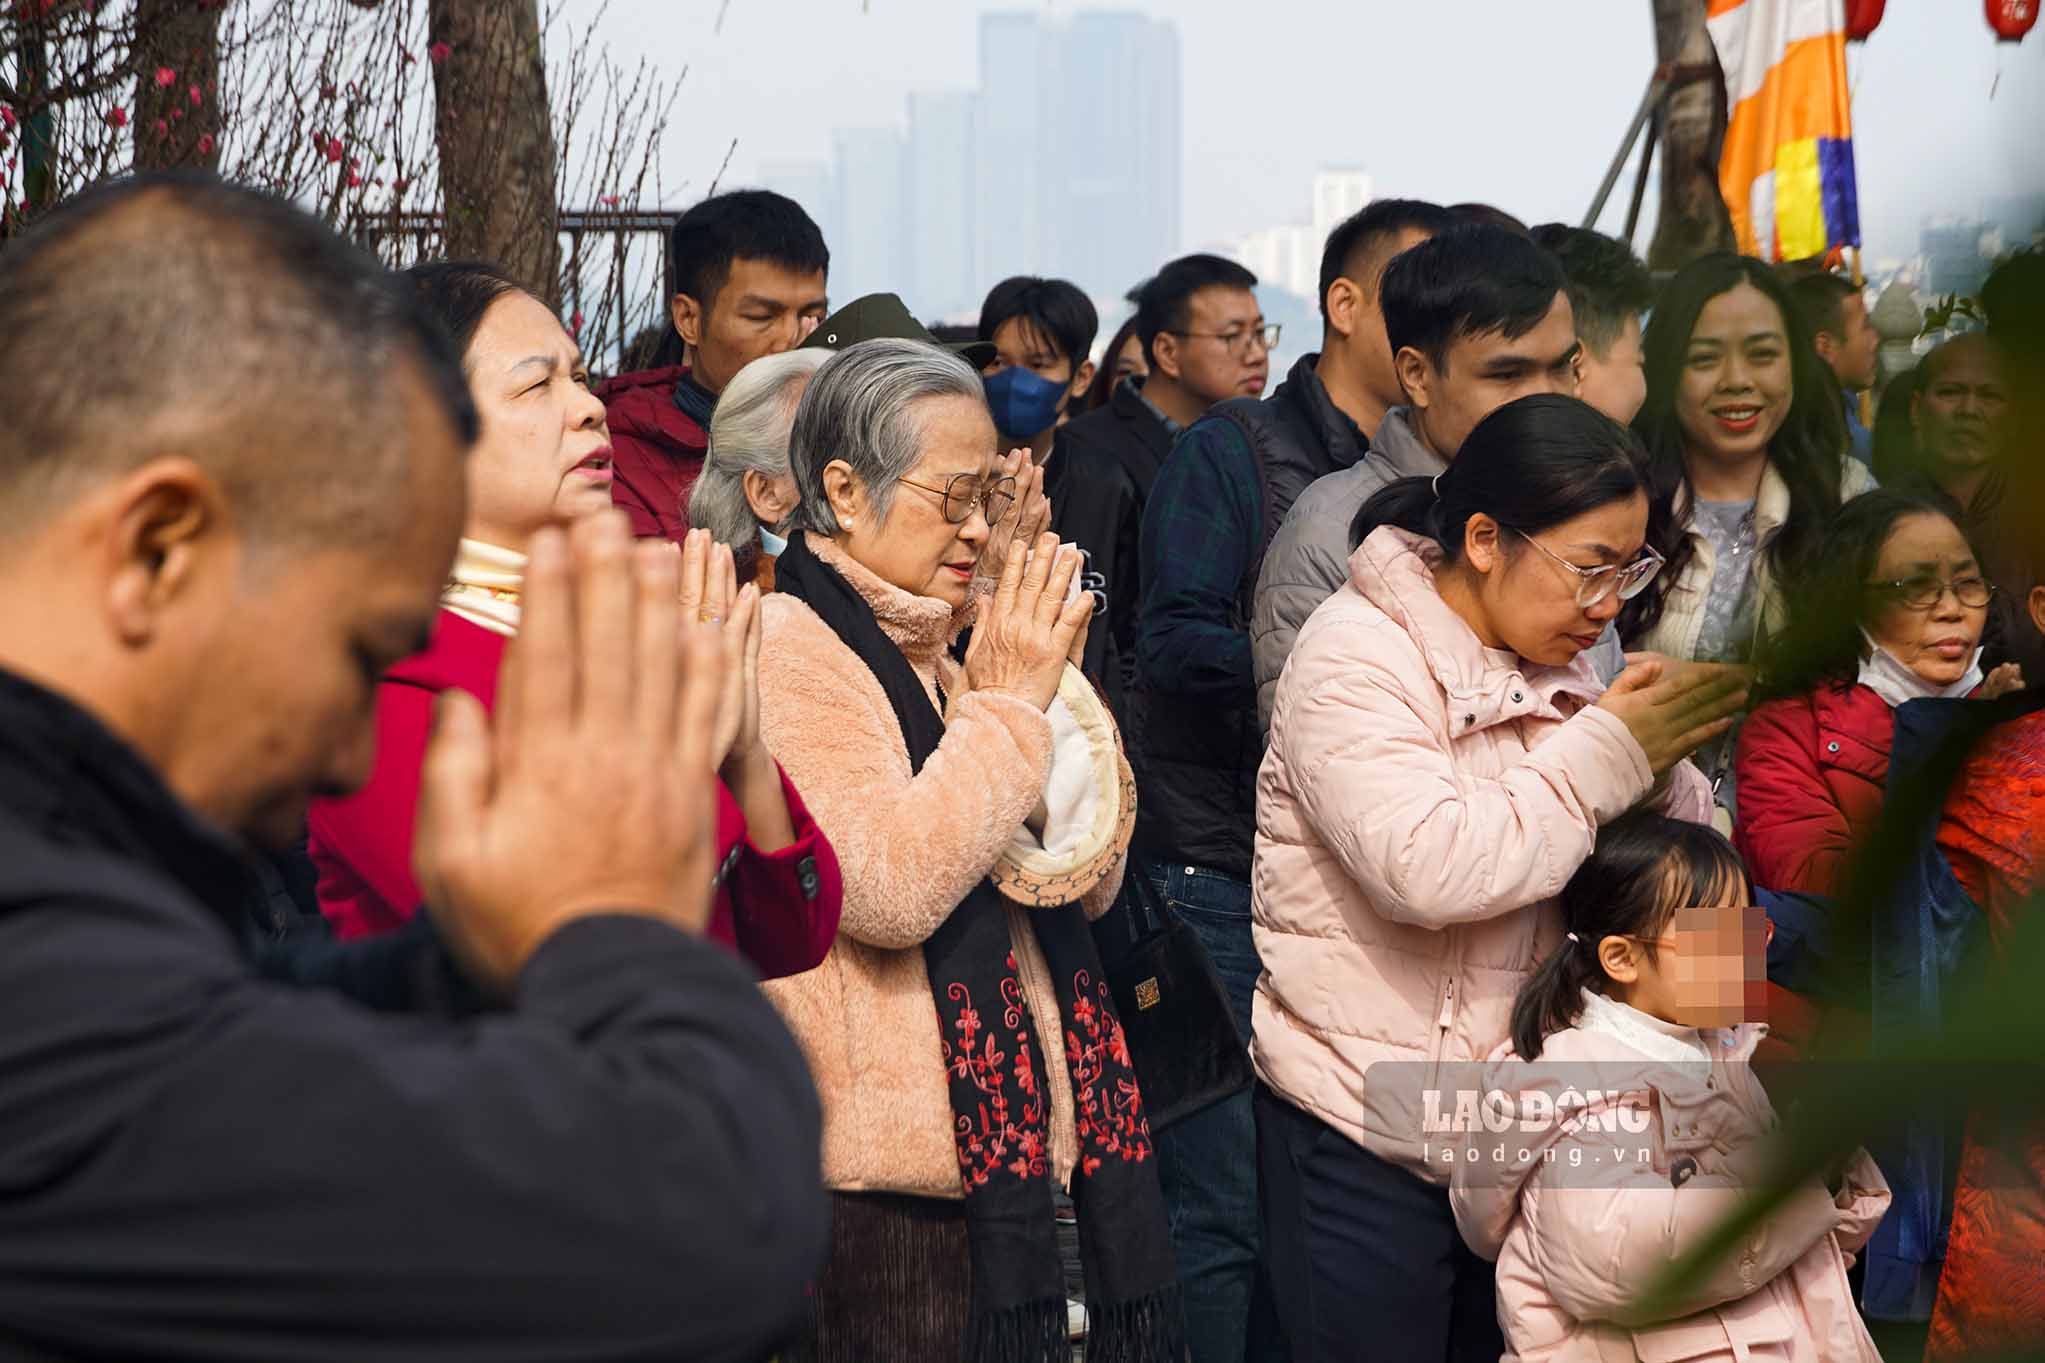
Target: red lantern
2012, 19
1862, 18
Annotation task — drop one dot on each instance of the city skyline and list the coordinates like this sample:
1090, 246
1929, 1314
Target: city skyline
1516, 104
1073, 124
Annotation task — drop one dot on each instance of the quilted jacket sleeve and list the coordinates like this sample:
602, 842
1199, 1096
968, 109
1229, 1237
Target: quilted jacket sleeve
1302, 569
1598, 1242
1791, 832
1428, 842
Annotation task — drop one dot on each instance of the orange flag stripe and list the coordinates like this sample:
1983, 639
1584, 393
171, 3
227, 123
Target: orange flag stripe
1801, 98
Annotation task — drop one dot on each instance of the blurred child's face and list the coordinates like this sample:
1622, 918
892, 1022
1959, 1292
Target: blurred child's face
1709, 968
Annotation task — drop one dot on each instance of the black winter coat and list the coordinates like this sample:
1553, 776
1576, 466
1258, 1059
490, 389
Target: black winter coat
1098, 477
199, 1162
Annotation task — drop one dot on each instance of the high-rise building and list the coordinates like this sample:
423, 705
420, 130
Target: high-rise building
941, 196
872, 248
1118, 217
1079, 148
1018, 66
1339, 194
809, 183
1065, 162
1287, 257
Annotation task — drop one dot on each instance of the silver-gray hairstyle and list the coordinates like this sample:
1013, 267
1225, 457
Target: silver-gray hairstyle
749, 434
859, 409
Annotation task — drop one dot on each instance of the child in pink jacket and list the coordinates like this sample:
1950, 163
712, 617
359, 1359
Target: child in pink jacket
1622, 1124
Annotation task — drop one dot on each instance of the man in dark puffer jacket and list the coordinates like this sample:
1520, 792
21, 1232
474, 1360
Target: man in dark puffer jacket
232, 482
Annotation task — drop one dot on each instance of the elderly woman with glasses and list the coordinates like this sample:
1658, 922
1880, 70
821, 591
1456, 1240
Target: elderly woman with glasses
745, 493
1442, 755
1893, 612
962, 1037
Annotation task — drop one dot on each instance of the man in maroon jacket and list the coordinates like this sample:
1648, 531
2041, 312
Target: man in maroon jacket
748, 280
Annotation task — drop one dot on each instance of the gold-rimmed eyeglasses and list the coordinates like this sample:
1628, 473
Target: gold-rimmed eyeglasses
963, 492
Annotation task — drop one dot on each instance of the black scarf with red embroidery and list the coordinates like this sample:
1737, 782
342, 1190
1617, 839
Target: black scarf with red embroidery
1001, 1104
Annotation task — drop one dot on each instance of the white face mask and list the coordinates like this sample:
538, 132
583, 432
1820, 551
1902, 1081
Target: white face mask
1883, 673
772, 543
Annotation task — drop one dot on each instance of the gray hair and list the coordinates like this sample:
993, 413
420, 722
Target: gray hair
858, 409
749, 434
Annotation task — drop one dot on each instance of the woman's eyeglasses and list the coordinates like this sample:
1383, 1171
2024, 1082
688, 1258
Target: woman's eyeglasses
1924, 591
963, 492
1595, 584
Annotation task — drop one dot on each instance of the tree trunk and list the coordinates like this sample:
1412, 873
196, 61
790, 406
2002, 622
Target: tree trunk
1691, 125
496, 141
177, 84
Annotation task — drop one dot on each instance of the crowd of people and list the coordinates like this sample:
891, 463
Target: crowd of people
500, 864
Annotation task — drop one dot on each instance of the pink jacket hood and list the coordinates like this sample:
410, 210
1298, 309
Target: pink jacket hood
1422, 801
1583, 1214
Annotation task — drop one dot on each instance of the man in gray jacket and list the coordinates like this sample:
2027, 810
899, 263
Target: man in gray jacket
1475, 317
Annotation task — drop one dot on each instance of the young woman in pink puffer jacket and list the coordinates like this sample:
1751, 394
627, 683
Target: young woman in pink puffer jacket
1632, 1127
1441, 758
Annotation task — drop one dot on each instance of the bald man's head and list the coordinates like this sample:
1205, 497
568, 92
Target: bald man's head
1959, 409
180, 315
231, 486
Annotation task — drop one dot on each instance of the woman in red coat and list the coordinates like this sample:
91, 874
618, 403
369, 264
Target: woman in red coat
544, 458
1894, 612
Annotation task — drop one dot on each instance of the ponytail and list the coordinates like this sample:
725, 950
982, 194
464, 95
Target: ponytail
1408, 503
1552, 997
1644, 866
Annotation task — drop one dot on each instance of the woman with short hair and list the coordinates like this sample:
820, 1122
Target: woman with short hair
961, 1032
745, 492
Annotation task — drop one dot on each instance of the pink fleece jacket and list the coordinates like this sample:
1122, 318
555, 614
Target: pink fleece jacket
910, 846
1423, 801
1583, 1216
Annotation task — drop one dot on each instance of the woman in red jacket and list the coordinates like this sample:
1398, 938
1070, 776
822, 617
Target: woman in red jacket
1893, 612
544, 458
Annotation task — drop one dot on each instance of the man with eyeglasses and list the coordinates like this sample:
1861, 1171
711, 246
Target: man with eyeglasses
1205, 340
1195, 738
1475, 317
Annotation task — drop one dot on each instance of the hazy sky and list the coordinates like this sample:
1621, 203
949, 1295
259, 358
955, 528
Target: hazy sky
1521, 102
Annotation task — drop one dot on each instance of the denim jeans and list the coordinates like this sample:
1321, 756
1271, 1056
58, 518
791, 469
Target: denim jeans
1208, 1161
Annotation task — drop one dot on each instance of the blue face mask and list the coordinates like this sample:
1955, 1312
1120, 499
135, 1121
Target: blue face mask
771, 543
1023, 401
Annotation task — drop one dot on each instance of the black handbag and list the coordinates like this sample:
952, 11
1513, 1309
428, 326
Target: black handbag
1175, 1011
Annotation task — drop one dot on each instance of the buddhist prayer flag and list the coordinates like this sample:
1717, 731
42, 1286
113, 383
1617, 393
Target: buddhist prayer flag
1787, 172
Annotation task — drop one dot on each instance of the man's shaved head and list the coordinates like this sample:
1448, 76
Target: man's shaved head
178, 315
231, 484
